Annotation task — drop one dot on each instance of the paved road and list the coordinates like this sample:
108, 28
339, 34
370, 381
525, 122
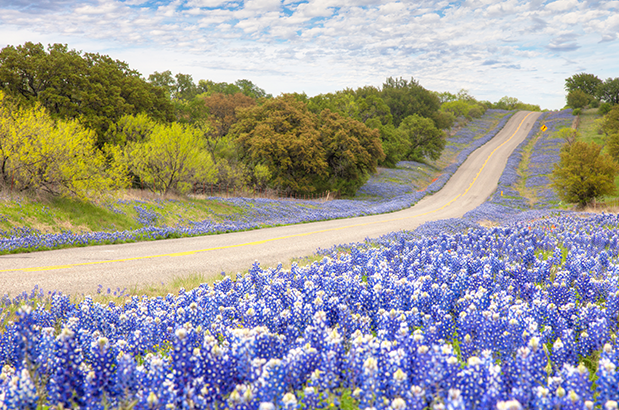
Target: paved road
81, 270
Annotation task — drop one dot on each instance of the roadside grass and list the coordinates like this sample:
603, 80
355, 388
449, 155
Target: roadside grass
523, 171
51, 214
589, 127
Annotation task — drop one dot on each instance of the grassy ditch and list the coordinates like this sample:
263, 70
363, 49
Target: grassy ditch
132, 210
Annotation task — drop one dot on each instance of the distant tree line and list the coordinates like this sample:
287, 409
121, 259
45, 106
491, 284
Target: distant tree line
167, 133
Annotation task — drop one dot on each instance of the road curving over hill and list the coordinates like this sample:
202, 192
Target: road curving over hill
82, 270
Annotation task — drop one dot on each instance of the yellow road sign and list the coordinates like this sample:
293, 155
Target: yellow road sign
544, 128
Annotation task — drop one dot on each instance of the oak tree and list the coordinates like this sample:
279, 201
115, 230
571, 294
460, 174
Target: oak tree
406, 98
424, 140
608, 91
578, 98
282, 135
587, 83
352, 152
303, 152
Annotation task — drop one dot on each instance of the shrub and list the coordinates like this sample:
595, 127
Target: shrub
584, 173
612, 145
611, 121
604, 108
576, 111
475, 112
457, 108
569, 134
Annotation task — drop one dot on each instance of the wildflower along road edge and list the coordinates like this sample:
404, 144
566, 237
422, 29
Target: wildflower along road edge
80, 270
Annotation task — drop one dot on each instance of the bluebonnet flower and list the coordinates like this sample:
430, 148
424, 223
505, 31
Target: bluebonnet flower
66, 384
19, 392
100, 380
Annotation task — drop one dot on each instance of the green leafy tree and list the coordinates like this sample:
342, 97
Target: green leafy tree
178, 87
342, 102
508, 103
373, 107
578, 98
251, 90
424, 139
364, 105
210, 87
352, 152
446, 96
186, 89
584, 173
164, 80
244, 86
303, 152
394, 144
464, 95
405, 98
604, 108
587, 83
454, 106
512, 103
608, 91
214, 115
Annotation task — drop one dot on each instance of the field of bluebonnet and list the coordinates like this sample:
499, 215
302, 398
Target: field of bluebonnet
451, 316
388, 191
526, 312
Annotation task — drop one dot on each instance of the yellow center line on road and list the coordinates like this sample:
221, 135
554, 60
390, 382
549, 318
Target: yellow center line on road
263, 241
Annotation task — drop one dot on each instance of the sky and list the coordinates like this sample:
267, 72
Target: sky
522, 49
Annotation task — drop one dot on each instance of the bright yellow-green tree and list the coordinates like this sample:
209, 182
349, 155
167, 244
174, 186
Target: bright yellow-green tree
171, 159
58, 157
584, 173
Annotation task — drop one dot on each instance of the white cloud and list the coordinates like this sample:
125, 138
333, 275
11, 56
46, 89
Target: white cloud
207, 3
562, 5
